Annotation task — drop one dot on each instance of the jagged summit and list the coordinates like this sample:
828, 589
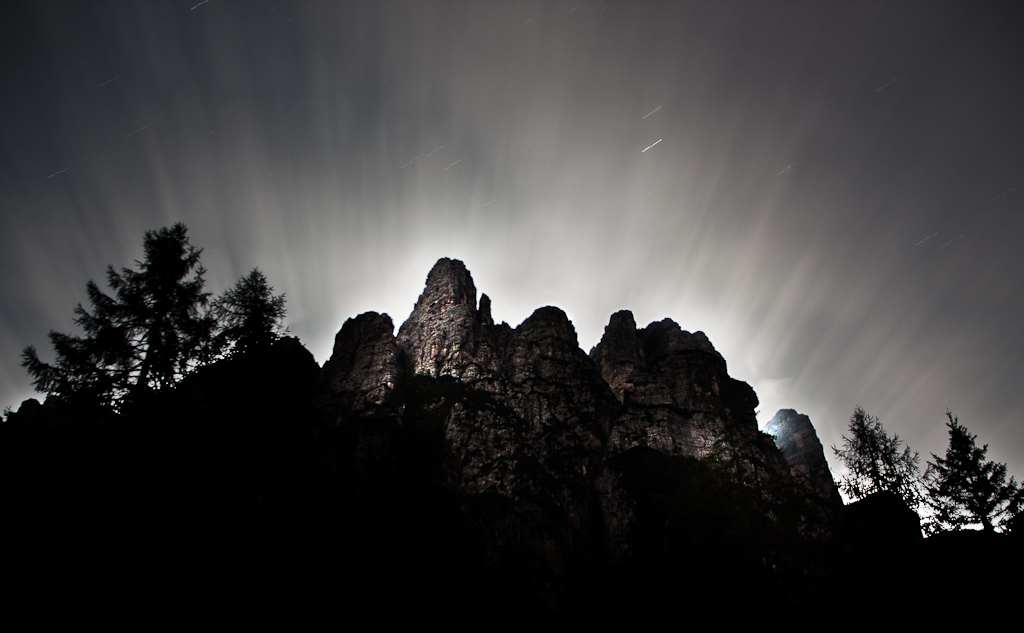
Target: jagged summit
666, 337
364, 364
538, 439
448, 282
678, 394
627, 356
552, 322
622, 341
438, 335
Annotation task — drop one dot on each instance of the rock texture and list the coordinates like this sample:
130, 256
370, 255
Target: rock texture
676, 394
795, 436
363, 366
522, 413
438, 338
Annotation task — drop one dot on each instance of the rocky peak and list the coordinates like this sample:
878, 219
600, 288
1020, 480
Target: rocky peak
795, 436
484, 313
679, 398
437, 338
448, 283
665, 337
549, 323
620, 353
364, 365
621, 344
629, 359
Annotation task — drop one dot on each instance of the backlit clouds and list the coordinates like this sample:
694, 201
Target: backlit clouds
831, 191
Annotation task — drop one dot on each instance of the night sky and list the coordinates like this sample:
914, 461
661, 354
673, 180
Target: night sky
832, 191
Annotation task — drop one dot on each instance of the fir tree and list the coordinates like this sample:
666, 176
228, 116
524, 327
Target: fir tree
877, 462
151, 332
249, 314
965, 489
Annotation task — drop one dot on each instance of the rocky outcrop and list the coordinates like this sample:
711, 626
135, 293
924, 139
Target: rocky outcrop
676, 394
659, 387
795, 436
533, 436
363, 366
437, 338
523, 414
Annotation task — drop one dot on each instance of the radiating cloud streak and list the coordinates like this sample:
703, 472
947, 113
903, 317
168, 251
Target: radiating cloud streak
343, 148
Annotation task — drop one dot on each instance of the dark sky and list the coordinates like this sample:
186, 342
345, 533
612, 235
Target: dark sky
832, 191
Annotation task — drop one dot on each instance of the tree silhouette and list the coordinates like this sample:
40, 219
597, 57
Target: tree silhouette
249, 314
964, 488
877, 462
153, 330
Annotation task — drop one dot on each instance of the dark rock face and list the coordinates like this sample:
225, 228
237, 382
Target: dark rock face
522, 415
527, 426
676, 394
363, 367
795, 436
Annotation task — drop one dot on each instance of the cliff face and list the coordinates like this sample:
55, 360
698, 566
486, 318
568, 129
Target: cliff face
536, 441
676, 394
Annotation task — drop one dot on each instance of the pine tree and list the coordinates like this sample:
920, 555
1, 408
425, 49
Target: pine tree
249, 314
876, 462
966, 489
151, 332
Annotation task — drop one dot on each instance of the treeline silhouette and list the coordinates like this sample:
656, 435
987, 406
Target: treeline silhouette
159, 325
956, 491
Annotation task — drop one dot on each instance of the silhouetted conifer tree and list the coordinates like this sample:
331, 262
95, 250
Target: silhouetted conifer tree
964, 488
153, 330
249, 314
877, 462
